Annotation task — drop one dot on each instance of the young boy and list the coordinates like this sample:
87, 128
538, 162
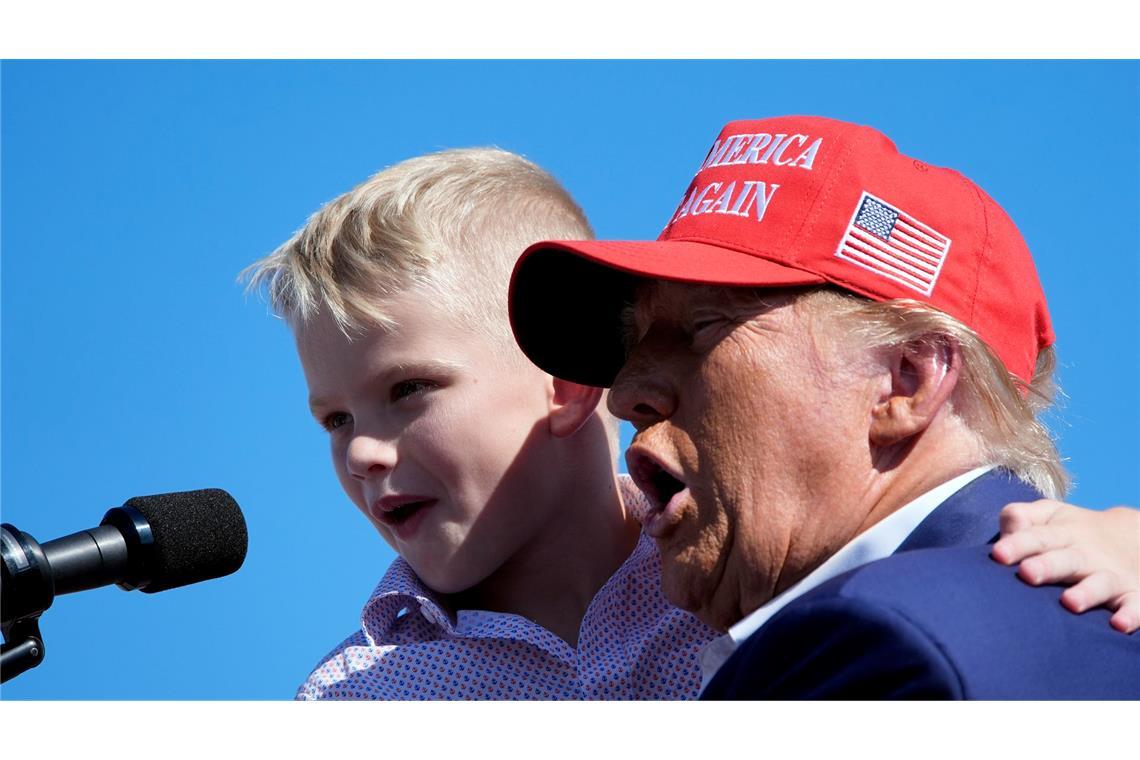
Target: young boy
522, 571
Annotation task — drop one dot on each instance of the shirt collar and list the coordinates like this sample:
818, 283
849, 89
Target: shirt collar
401, 592
879, 541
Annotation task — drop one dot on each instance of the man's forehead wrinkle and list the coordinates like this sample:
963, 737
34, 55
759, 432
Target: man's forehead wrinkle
678, 302
760, 299
655, 296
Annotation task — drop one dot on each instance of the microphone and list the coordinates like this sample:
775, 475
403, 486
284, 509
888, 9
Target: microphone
150, 543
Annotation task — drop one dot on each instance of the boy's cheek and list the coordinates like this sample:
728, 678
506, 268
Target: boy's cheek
350, 486
337, 453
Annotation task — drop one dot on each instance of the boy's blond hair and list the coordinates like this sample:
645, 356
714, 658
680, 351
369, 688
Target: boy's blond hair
452, 223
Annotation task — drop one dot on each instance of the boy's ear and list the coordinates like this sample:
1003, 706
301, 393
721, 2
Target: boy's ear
571, 405
923, 375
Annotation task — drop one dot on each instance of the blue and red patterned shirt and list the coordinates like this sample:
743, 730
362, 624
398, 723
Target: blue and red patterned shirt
632, 644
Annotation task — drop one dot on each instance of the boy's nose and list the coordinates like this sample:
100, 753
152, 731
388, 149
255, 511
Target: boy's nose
367, 456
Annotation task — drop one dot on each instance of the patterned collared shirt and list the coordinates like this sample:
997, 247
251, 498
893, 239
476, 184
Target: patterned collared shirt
632, 644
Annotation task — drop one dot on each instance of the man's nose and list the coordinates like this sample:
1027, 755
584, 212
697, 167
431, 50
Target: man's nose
368, 455
642, 391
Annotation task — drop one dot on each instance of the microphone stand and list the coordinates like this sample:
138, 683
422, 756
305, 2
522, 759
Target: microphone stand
28, 590
23, 648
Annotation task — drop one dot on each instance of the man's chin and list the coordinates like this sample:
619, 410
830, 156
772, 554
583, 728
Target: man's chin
687, 590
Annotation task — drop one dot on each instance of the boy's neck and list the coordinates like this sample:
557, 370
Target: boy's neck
553, 581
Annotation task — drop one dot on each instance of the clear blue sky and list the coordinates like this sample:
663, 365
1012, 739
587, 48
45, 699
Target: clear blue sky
133, 193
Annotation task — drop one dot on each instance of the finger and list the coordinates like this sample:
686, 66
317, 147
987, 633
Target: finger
1020, 515
1099, 588
1010, 550
1025, 543
1127, 617
1066, 565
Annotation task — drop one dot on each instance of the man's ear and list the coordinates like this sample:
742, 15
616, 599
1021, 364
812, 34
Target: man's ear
571, 405
923, 375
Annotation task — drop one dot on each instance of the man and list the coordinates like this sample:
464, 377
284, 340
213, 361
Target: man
833, 354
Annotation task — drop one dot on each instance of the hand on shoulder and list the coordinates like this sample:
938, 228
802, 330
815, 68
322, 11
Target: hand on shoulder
1095, 553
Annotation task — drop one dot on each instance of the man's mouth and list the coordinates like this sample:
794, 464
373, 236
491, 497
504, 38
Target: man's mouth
662, 486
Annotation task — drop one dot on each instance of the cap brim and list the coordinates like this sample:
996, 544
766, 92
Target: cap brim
567, 296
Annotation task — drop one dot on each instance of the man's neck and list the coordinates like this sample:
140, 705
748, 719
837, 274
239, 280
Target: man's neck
893, 479
877, 542
942, 453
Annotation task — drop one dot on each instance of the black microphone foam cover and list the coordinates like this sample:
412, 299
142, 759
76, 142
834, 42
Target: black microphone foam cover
198, 535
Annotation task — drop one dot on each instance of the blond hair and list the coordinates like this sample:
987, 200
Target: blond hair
1000, 409
451, 223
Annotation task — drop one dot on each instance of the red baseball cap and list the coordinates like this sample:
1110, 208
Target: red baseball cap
788, 201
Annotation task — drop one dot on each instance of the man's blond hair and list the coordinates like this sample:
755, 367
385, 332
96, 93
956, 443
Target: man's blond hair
1000, 409
450, 223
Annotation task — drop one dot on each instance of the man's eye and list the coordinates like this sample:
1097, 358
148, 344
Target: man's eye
406, 388
335, 420
703, 325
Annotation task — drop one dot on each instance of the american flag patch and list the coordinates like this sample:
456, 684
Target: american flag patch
893, 244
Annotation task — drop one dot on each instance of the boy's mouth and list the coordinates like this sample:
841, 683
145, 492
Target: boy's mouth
397, 510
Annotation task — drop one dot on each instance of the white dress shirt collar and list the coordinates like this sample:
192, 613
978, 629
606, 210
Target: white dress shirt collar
879, 541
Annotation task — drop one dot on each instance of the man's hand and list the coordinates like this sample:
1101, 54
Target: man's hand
1096, 553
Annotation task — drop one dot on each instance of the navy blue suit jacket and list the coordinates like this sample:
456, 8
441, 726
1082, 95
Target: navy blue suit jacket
937, 619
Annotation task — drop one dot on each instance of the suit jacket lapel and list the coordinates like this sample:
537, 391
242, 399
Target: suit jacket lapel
970, 516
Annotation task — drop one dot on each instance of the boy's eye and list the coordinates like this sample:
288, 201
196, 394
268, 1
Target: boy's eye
406, 388
335, 420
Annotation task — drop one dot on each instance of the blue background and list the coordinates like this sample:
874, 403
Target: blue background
134, 192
